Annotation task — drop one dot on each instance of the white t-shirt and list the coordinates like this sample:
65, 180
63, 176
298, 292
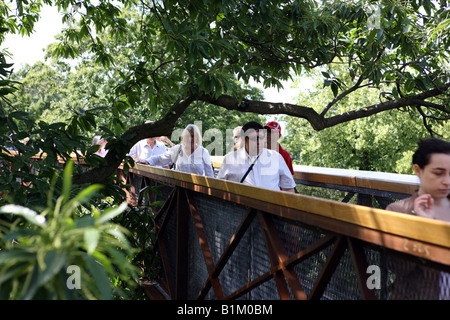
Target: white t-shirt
270, 170
141, 150
199, 162
102, 152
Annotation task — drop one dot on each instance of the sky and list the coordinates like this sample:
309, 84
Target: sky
31, 49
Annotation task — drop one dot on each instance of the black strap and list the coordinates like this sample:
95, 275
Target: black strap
250, 168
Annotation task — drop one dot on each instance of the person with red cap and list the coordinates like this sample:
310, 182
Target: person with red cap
255, 165
273, 134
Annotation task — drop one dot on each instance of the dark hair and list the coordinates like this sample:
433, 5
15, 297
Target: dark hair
252, 125
427, 147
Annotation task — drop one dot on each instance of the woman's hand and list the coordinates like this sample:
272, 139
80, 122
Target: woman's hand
424, 206
142, 162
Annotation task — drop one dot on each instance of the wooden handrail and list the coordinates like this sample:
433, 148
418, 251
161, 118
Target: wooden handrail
42, 155
390, 182
402, 225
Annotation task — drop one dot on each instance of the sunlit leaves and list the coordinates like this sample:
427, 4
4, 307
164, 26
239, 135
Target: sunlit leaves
40, 255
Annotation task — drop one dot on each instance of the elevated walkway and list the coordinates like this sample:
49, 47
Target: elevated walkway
224, 240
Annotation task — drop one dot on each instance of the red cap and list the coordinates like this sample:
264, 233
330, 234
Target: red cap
274, 126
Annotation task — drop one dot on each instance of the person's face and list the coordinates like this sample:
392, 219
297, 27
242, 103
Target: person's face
255, 141
435, 176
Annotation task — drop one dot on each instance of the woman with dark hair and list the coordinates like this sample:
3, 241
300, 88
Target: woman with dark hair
432, 165
432, 200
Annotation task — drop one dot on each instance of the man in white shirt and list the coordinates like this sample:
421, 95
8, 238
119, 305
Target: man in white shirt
146, 148
269, 169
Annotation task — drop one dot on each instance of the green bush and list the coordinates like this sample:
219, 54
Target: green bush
70, 250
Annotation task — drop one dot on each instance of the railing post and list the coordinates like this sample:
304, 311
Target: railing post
364, 199
182, 246
328, 269
360, 265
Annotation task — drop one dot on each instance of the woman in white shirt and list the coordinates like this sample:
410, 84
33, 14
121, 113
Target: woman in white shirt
189, 156
255, 165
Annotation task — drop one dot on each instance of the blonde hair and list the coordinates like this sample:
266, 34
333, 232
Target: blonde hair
191, 129
237, 132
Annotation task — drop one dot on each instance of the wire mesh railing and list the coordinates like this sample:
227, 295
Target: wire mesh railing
223, 240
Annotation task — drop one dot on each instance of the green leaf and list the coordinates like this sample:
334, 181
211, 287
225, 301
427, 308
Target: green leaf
67, 180
380, 35
85, 221
54, 262
111, 213
334, 88
395, 93
156, 204
6, 90
16, 256
87, 193
24, 212
21, 115
326, 75
101, 280
17, 271
12, 124
91, 237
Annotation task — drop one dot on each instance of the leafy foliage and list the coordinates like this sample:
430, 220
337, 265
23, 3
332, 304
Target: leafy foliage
38, 250
161, 59
26, 169
384, 143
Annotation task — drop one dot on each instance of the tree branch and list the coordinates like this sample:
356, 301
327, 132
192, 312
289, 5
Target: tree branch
425, 123
342, 95
165, 125
384, 106
129, 138
319, 122
262, 107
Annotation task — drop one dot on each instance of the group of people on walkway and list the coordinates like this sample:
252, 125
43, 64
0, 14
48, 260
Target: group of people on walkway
259, 160
251, 163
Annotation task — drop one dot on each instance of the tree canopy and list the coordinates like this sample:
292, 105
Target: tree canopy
384, 143
183, 53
